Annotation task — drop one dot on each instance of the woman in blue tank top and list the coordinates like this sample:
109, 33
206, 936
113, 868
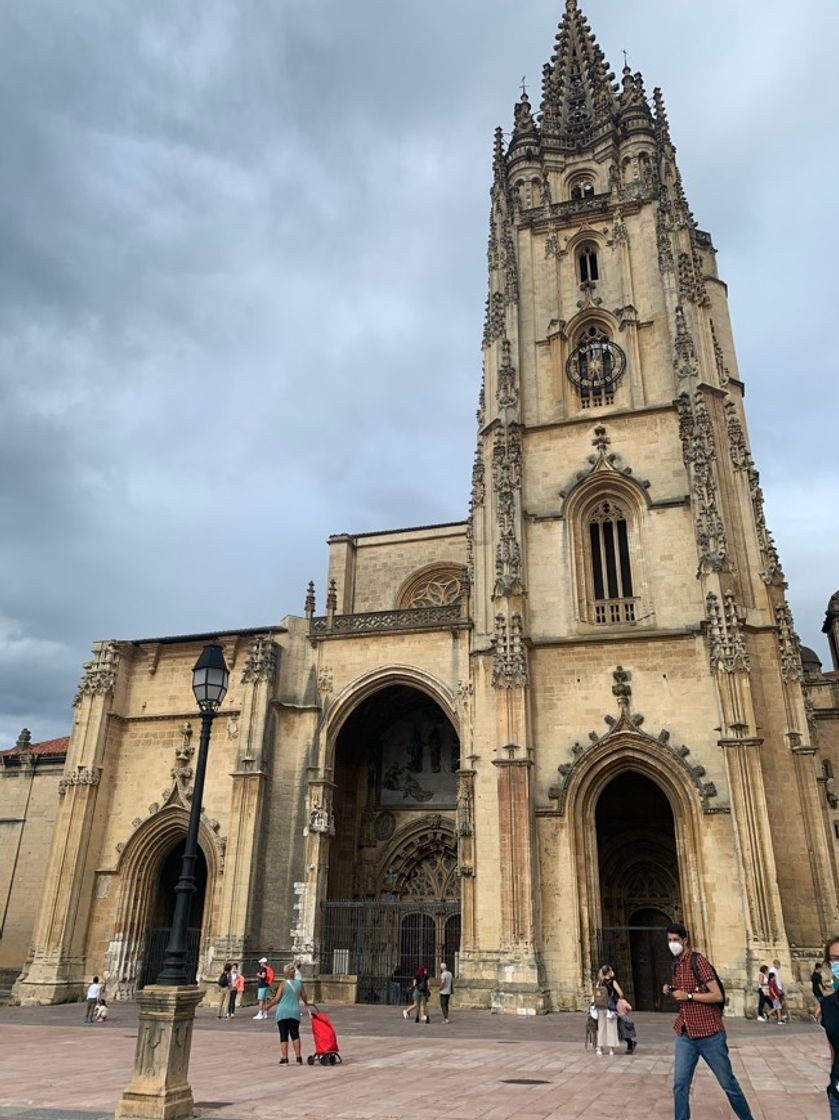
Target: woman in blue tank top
287, 1000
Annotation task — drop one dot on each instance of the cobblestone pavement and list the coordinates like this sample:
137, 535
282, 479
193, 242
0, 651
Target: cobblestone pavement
478, 1067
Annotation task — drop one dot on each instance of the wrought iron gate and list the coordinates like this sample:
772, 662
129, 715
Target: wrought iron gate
382, 943
154, 951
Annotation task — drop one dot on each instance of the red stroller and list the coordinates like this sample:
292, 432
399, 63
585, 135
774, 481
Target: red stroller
326, 1044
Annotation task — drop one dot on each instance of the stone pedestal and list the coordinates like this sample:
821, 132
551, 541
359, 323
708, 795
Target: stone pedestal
159, 1089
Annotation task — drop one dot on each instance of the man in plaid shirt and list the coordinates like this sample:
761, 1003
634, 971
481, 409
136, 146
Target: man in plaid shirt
699, 1028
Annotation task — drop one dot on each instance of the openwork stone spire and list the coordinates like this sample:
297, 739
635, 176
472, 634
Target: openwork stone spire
578, 88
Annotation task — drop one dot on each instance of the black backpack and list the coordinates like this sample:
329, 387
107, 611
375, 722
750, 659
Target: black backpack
694, 967
224, 980
422, 984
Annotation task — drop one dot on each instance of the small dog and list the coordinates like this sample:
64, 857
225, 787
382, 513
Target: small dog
591, 1027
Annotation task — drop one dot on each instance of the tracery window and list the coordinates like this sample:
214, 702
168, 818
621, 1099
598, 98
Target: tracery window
440, 587
611, 568
595, 366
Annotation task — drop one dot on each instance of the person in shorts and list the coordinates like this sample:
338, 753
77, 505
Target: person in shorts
263, 988
287, 1001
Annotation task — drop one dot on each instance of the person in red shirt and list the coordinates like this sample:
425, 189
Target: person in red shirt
699, 1027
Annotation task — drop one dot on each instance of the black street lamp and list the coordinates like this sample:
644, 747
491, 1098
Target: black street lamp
209, 683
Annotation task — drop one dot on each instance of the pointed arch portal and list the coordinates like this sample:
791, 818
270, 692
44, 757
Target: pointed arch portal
640, 890
393, 894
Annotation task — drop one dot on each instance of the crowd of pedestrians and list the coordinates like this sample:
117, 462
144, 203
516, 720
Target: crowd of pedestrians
695, 987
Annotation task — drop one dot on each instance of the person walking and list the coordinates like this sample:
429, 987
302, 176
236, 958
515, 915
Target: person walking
264, 977
224, 991
287, 1001
94, 992
782, 994
234, 990
821, 984
607, 992
421, 994
446, 988
830, 1020
699, 1027
763, 1000
775, 998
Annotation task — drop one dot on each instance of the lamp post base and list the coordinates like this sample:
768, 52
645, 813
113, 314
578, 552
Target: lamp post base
159, 1089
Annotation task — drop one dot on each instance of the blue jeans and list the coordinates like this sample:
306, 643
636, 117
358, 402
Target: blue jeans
714, 1049
834, 1105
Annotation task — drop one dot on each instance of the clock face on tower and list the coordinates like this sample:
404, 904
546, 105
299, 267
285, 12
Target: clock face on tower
595, 366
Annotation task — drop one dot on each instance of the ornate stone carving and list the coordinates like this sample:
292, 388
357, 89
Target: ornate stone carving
465, 802
324, 680
699, 454
741, 458
685, 363
603, 459
82, 776
789, 644
506, 480
509, 669
690, 282
726, 636
722, 369
622, 689
511, 272
261, 663
496, 319
320, 819
182, 770
553, 245
626, 730
376, 622
100, 673
772, 573
478, 481
664, 243
620, 234
507, 393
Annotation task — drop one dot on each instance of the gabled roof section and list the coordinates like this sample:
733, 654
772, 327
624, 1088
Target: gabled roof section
49, 748
578, 88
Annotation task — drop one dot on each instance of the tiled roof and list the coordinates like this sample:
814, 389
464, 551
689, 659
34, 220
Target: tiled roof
53, 747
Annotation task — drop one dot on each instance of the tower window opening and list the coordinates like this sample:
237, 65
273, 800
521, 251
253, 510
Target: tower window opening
588, 265
581, 188
611, 569
595, 364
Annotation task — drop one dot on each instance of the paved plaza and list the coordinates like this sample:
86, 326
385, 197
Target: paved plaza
479, 1067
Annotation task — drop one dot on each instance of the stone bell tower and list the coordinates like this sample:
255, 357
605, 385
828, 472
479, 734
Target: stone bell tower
616, 520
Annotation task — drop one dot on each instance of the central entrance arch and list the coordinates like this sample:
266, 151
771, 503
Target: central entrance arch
640, 889
393, 894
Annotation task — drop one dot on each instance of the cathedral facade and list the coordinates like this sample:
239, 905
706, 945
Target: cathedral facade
523, 742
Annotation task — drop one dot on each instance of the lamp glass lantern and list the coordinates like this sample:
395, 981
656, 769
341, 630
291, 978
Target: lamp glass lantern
209, 678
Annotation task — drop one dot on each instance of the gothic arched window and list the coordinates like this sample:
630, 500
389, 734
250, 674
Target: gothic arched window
587, 260
611, 567
582, 188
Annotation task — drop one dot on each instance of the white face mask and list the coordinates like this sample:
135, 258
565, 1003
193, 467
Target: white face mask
675, 947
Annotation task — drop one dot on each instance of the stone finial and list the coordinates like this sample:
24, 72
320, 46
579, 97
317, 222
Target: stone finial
309, 609
332, 597
24, 740
622, 688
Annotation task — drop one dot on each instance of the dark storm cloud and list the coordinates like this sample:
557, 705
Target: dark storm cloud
243, 252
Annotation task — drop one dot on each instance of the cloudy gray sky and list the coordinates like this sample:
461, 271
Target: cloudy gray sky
243, 273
